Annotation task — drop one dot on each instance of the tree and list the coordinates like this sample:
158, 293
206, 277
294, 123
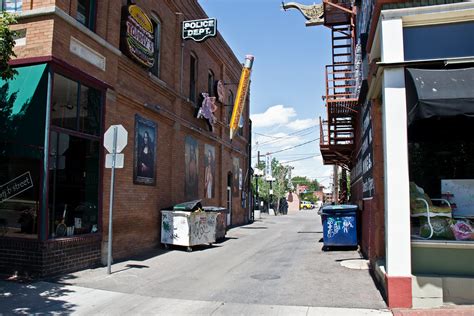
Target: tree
313, 185
280, 185
7, 43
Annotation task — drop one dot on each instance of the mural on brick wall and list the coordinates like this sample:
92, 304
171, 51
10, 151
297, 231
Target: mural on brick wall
191, 154
144, 151
210, 171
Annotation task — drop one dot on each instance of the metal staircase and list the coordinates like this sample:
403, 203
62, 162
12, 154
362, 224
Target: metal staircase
337, 130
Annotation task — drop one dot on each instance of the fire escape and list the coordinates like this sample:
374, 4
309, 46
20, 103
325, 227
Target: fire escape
337, 130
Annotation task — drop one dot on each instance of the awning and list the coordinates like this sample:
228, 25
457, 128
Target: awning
439, 93
24, 85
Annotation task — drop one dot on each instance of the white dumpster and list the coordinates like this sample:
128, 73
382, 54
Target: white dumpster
184, 228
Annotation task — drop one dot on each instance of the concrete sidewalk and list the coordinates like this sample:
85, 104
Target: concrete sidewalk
51, 298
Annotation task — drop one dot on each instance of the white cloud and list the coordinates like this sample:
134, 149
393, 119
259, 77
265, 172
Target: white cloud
277, 141
302, 124
274, 115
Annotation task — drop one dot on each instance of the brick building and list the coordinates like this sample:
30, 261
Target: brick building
82, 67
399, 102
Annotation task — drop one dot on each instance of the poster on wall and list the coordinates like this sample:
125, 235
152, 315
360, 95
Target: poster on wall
209, 171
191, 154
366, 154
144, 171
235, 180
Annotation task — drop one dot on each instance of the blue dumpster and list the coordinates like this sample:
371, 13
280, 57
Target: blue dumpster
339, 225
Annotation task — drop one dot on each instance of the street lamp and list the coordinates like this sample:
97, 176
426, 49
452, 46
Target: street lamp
257, 173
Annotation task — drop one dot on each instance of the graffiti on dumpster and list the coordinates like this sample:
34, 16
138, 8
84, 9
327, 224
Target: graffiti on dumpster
203, 226
168, 232
337, 224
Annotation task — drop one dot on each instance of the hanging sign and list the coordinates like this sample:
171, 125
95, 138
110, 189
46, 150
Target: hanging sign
268, 167
199, 30
138, 35
241, 95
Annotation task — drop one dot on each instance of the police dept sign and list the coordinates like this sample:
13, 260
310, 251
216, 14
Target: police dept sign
199, 30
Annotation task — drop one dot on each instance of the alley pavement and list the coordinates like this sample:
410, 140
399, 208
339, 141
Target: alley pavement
274, 266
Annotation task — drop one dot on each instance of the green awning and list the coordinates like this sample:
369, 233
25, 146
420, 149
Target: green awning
24, 84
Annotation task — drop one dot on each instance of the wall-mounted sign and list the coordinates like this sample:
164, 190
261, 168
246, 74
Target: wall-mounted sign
199, 30
241, 95
138, 35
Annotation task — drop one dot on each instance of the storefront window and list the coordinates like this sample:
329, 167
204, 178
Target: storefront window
442, 179
22, 113
74, 158
438, 41
65, 112
73, 183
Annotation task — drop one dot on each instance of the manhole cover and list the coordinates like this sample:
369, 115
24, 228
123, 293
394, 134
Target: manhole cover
264, 276
358, 264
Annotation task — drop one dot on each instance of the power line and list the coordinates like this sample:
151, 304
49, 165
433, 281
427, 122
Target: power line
298, 131
299, 145
284, 162
278, 138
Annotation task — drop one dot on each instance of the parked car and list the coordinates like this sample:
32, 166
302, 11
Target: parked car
306, 205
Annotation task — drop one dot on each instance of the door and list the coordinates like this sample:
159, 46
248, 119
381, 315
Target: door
229, 205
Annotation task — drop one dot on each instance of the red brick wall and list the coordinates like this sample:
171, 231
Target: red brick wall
372, 218
40, 259
136, 207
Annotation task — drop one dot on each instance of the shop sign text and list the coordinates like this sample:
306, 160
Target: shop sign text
138, 35
16, 186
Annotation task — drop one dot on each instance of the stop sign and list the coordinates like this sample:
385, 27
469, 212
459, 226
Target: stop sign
122, 138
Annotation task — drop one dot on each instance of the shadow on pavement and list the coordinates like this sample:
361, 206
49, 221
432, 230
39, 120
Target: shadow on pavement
256, 227
223, 240
27, 298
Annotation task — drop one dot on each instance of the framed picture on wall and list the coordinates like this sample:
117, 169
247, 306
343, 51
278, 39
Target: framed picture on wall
144, 170
191, 154
209, 171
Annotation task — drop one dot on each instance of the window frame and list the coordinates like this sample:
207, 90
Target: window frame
230, 100
157, 25
3, 6
210, 83
193, 77
91, 14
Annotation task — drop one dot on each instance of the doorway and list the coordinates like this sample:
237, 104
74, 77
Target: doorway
229, 198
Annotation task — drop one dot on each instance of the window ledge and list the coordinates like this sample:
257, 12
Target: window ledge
157, 80
448, 244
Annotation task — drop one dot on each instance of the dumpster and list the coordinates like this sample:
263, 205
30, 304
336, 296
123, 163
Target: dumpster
188, 225
339, 225
221, 225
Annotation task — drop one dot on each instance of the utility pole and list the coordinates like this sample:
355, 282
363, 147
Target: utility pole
335, 187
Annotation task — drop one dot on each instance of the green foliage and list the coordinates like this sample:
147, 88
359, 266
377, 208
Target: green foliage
308, 197
280, 185
7, 43
313, 185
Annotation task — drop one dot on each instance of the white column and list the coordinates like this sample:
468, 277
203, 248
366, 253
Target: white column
396, 179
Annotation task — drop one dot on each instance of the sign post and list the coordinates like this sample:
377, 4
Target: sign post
115, 139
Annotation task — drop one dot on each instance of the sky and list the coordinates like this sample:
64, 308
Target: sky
287, 78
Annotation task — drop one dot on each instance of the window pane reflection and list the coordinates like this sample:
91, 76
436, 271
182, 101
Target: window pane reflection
74, 185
